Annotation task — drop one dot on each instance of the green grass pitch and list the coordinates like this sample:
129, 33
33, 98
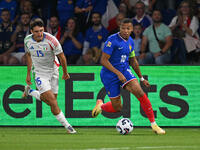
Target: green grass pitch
98, 139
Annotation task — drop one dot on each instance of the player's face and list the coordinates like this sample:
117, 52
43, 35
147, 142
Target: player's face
38, 33
125, 30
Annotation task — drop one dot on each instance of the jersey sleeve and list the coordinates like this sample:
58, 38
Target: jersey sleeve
26, 46
109, 46
58, 47
54, 44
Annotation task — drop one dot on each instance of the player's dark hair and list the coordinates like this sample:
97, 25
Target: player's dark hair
36, 22
126, 20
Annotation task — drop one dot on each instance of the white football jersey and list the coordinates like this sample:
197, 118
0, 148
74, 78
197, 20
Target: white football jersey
43, 53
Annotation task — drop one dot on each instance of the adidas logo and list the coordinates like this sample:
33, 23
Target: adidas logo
31, 47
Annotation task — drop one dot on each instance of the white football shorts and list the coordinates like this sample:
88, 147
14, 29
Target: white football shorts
47, 82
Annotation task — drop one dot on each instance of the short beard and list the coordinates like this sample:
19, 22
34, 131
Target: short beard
96, 24
159, 21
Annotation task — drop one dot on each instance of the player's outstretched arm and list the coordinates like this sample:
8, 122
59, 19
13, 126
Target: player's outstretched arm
135, 65
63, 62
29, 65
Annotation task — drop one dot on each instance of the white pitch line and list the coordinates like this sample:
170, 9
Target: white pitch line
120, 148
168, 147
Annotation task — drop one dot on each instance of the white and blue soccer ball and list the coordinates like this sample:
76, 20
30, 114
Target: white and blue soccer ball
124, 126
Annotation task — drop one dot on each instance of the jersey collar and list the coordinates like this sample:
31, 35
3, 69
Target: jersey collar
121, 37
44, 35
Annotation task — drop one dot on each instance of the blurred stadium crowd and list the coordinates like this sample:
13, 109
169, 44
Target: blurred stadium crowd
82, 27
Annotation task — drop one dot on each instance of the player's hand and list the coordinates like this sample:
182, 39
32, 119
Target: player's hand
28, 80
65, 76
146, 83
122, 78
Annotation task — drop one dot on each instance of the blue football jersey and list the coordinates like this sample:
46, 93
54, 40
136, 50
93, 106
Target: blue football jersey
119, 49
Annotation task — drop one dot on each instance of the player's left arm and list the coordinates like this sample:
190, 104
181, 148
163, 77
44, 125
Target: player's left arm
135, 65
63, 63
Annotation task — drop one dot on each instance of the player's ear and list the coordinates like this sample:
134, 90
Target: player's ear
31, 31
131, 28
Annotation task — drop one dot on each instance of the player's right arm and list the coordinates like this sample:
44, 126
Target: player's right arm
29, 65
28, 60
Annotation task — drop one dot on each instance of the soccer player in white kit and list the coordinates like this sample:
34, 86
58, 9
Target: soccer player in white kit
42, 50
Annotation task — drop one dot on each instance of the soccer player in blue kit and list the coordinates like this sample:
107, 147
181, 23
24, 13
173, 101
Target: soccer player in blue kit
117, 53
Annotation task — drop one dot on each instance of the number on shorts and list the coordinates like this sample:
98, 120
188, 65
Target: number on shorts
38, 81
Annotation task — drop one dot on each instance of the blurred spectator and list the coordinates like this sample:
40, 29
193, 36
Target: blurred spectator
88, 59
27, 7
149, 4
83, 11
72, 41
123, 8
141, 17
137, 30
99, 6
115, 23
11, 5
95, 37
168, 15
158, 35
45, 8
6, 30
184, 27
21, 31
165, 4
65, 9
53, 27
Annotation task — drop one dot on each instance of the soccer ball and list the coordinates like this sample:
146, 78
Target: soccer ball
124, 126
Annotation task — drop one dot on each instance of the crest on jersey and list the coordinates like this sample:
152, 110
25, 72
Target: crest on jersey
99, 37
109, 44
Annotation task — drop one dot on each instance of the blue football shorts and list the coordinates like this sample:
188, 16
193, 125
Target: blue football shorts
111, 82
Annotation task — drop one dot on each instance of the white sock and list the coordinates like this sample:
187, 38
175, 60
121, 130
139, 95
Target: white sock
61, 118
35, 94
153, 123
